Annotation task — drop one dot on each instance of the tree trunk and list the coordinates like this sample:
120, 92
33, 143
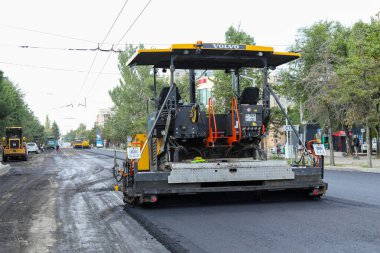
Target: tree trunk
348, 141
331, 146
369, 143
377, 138
378, 144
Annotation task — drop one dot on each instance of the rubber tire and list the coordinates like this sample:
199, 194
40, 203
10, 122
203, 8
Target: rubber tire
116, 173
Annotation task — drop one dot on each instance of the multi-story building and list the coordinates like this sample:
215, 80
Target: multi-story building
103, 116
204, 85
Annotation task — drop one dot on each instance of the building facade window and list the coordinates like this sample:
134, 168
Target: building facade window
203, 95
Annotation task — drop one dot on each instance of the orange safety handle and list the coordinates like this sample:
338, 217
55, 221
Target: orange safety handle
212, 136
131, 168
312, 151
234, 101
234, 109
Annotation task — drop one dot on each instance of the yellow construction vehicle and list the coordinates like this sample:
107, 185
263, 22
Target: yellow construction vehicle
78, 143
14, 144
85, 144
189, 148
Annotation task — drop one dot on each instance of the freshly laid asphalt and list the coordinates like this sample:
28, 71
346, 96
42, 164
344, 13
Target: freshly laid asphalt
347, 219
65, 203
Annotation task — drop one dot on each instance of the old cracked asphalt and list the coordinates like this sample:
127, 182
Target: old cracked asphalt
65, 203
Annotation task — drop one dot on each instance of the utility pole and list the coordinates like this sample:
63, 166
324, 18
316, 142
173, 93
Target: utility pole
85, 103
302, 123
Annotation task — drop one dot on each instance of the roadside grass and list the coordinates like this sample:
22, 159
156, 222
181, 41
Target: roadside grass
277, 157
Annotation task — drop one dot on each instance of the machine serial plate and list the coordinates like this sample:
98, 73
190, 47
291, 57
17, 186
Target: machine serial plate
250, 117
229, 172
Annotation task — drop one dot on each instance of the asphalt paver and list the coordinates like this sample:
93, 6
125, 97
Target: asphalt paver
65, 203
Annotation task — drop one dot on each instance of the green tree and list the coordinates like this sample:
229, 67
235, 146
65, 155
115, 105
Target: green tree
81, 131
235, 35
130, 99
360, 88
131, 96
337, 78
11, 103
70, 136
55, 130
15, 112
91, 134
223, 90
48, 130
11, 98
312, 79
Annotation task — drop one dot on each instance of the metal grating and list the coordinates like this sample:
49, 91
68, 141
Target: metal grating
14, 143
229, 172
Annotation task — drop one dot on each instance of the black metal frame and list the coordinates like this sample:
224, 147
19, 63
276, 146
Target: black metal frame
235, 84
306, 178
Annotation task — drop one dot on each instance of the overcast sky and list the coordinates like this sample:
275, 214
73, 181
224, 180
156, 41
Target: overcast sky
84, 23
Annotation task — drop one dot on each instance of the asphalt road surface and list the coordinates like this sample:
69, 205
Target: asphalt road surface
64, 203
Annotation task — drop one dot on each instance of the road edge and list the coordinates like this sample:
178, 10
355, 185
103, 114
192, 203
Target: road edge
164, 239
4, 168
353, 169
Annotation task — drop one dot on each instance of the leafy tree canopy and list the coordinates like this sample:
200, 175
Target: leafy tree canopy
15, 112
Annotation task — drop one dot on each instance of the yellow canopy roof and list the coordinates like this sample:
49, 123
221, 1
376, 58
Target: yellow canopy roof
212, 56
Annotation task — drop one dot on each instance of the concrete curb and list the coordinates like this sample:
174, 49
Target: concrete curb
4, 169
353, 168
117, 150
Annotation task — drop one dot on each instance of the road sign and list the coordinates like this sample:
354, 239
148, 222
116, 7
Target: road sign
319, 149
288, 128
289, 152
133, 153
362, 130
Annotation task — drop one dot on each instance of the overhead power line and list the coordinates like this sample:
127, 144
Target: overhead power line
54, 69
97, 77
109, 55
112, 49
47, 33
67, 49
133, 23
75, 38
96, 55
114, 22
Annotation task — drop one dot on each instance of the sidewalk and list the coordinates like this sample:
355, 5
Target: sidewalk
350, 164
343, 163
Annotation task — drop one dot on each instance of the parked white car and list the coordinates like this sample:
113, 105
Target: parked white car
374, 146
32, 148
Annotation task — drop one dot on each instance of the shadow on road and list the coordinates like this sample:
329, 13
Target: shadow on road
227, 198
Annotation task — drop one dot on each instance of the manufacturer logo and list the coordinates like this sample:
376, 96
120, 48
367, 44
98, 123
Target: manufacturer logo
223, 46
